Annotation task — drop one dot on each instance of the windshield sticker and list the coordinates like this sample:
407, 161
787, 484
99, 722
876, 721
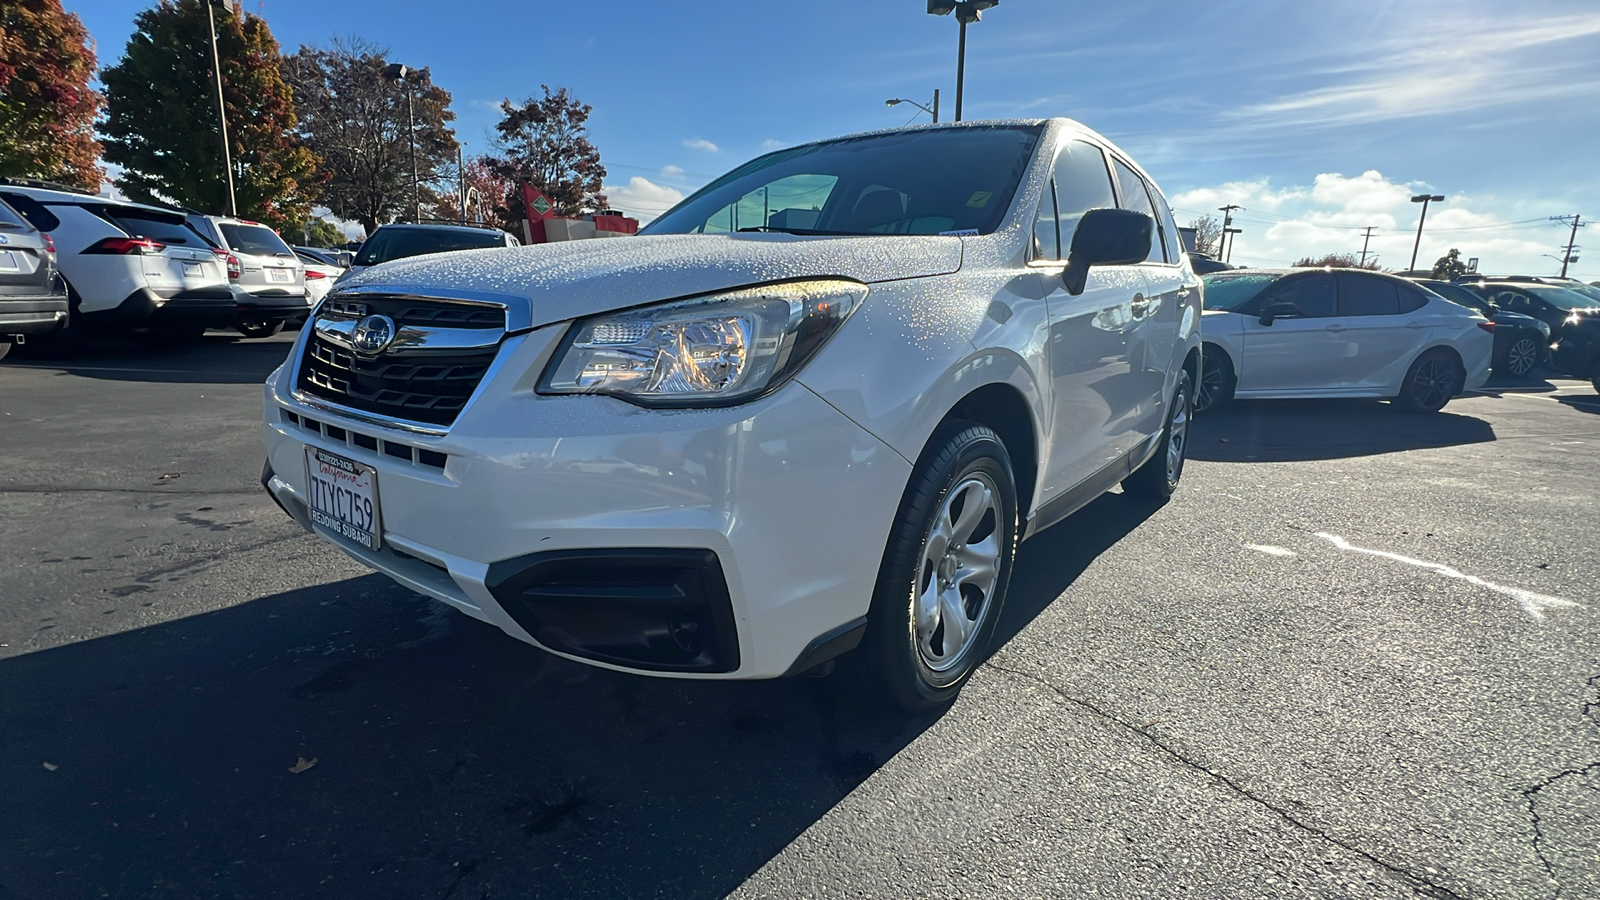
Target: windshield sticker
979, 198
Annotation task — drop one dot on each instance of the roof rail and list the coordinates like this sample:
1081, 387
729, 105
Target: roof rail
42, 184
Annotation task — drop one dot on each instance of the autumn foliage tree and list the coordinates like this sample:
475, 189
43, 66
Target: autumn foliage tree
354, 116
486, 197
161, 123
545, 141
47, 109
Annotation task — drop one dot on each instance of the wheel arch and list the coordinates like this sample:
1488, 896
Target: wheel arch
1000, 407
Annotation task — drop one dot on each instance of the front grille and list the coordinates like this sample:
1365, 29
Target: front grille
427, 386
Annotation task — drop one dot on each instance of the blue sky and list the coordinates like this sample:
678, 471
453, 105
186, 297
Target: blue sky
1319, 118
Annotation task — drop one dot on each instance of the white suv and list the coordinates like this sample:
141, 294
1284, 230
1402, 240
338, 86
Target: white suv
810, 410
128, 265
269, 281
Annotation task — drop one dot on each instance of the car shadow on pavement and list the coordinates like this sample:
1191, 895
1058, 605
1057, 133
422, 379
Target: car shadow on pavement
1293, 430
355, 739
217, 358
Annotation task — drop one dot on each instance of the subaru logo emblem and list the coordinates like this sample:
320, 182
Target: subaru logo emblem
372, 334
4, 239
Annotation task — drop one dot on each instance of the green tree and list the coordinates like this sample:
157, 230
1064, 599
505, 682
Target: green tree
47, 109
1449, 266
545, 141
314, 231
161, 123
354, 115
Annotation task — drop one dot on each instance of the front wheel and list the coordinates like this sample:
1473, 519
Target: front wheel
945, 569
1158, 478
1434, 378
1216, 381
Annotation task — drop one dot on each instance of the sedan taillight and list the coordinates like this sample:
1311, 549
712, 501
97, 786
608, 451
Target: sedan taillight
312, 275
1487, 326
124, 246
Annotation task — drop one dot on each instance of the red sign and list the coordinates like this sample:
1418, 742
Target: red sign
537, 204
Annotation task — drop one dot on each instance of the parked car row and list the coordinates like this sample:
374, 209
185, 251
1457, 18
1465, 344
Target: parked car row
69, 258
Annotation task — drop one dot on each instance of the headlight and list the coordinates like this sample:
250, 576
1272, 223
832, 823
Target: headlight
710, 351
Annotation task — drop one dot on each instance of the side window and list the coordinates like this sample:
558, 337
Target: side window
1513, 301
1411, 299
1312, 295
1367, 295
1082, 183
1137, 199
34, 211
1046, 239
1169, 228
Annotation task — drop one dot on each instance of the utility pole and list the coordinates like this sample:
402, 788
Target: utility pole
1566, 258
1227, 219
1367, 237
222, 109
935, 106
461, 180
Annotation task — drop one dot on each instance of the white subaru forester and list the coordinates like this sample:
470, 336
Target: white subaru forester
810, 410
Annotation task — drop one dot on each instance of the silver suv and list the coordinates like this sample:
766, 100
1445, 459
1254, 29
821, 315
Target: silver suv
33, 298
269, 281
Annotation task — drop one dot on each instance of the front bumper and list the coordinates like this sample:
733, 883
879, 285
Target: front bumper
787, 499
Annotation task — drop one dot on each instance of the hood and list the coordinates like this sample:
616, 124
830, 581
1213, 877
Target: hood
556, 282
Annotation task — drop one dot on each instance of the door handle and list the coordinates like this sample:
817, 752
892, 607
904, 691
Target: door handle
1183, 293
1338, 328
1138, 305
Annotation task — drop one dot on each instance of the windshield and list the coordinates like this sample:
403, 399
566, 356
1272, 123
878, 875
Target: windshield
399, 243
256, 240
1561, 298
1587, 290
1230, 292
917, 182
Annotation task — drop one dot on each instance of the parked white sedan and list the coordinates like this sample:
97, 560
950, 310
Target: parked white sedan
1337, 333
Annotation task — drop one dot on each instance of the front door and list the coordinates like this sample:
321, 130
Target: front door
1301, 352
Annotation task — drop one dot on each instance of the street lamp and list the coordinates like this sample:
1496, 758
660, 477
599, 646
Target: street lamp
1424, 199
967, 11
397, 72
222, 109
1229, 243
932, 112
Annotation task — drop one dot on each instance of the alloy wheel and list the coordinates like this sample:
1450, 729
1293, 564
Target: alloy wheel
1522, 356
1177, 437
1434, 383
960, 568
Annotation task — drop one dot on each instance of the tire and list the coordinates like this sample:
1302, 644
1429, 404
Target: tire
1216, 381
259, 329
5, 347
934, 575
1158, 478
1522, 356
1433, 379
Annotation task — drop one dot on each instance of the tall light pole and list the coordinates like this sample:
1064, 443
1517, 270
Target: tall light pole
397, 72
932, 112
1424, 199
222, 109
461, 179
967, 12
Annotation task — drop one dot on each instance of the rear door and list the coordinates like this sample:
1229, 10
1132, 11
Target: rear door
1383, 326
1303, 352
1153, 331
25, 270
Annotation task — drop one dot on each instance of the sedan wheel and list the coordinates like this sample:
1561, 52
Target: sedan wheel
1216, 381
1522, 356
1434, 378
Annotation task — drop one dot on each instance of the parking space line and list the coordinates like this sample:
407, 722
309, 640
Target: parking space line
75, 369
1531, 602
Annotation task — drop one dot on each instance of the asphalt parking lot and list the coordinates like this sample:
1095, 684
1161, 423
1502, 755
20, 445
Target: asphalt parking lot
1356, 657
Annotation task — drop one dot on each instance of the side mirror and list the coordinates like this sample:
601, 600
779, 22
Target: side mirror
1279, 310
1106, 237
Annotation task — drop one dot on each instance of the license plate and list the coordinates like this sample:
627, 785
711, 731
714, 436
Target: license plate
344, 497
279, 275
8, 262
193, 270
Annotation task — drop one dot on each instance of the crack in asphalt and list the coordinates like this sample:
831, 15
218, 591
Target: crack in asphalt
67, 489
1591, 711
188, 565
1417, 883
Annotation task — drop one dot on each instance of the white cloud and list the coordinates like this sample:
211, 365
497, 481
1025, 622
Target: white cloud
350, 229
671, 171
771, 144
642, 198
1281, 226
700, 144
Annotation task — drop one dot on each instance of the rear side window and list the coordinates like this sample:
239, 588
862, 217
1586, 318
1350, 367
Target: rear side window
1312, 295
257, 240
1137, 199
11, 220
156, 227
1366, 295
34, 211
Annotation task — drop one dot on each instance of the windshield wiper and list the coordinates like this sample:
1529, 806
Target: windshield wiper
806, 231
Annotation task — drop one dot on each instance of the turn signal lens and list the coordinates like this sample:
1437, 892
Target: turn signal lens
712, 351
